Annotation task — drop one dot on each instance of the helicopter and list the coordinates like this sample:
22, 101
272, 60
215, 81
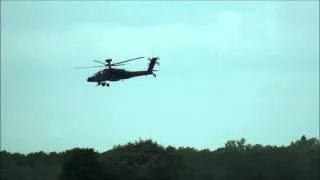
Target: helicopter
114, 74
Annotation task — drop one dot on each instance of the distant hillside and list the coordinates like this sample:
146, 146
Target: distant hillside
147, 160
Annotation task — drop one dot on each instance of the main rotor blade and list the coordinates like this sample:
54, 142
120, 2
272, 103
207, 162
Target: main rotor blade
127, 60
99, 62
116, 64
87, 67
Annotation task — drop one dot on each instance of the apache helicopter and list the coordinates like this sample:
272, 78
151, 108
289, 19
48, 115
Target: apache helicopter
114, 74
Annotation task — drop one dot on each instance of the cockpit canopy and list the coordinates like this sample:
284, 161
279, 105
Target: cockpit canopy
98, 73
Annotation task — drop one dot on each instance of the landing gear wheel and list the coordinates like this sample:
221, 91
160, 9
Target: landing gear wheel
154, 75
103, 84
108, 84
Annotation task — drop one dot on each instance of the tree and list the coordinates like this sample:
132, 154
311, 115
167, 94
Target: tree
82, 164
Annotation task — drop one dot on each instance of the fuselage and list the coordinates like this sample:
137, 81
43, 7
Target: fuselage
115, 75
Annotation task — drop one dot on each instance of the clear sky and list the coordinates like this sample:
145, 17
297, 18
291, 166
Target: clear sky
228, 70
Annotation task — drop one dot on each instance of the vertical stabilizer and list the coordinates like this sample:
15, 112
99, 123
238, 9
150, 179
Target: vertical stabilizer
153, 61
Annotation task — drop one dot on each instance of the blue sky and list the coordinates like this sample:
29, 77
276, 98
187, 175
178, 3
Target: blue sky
228, 70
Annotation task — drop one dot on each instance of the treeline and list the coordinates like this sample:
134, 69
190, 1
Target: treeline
147, 160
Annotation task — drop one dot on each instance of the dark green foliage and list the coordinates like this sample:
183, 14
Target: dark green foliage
143, 160
33, 166
82, 164
147, 160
